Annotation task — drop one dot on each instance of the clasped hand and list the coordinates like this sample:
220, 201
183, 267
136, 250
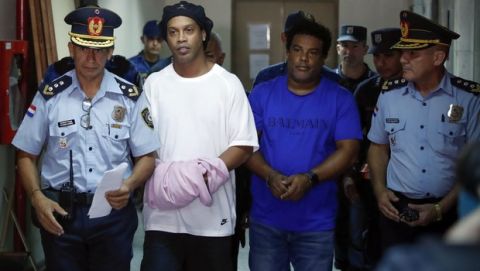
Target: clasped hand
291, 187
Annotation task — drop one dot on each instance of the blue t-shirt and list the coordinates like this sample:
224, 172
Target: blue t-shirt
297, 134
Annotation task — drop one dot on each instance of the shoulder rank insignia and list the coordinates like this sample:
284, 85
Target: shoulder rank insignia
50, 89
468, 86
128, 89
393, 84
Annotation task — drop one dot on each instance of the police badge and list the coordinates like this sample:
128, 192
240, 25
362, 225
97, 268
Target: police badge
147, 118
455, 113
118, 113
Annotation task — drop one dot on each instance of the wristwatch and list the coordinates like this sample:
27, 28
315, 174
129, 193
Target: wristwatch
313, 177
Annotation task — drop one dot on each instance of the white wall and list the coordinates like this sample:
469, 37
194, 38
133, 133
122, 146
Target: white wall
463, 48
60, 8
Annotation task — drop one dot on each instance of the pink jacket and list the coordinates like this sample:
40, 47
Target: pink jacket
174, 185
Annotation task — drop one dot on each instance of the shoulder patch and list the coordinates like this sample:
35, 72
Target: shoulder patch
50, 89
468, 86
128, 89
393, 84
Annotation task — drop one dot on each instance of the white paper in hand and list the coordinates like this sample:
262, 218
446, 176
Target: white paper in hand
112, 180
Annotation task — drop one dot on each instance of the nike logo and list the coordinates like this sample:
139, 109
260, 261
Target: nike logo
224, 221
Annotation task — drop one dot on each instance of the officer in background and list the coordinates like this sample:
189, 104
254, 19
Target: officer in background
363, 251
87, 121
152, 44
352, 70
275, 70
418, 128
352, 48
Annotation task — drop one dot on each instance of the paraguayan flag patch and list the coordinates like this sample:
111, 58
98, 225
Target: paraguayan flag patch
31, 110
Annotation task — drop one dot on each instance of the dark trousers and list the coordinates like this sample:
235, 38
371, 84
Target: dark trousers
395, 233
92, 244
165, 251
357, 246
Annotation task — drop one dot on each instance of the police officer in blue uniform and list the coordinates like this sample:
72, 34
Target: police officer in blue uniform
418, 127
364, 247
149, 57
351, 48
86, 122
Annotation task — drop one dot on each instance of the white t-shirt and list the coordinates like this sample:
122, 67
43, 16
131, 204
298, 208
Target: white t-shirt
199, 117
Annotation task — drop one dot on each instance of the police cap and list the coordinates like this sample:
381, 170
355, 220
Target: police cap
151, 29
352, 33
184, 8
383, 39
419, 32
93, 26
297, 17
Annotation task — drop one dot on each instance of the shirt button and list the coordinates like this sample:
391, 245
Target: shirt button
450, 133
62, 134
424, 104
421, 126
421, 148
428, 194
391, 130
423, 171
90, 170
90, 148
116, 136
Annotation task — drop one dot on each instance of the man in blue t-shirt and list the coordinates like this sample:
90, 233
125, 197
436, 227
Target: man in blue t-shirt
309, 132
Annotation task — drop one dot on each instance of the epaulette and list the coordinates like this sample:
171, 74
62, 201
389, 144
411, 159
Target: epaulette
129, 90
393, 84
468, 86
50, 89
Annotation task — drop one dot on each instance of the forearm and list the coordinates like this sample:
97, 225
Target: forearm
257, 165
27, 168
143, 169
235, 156
338, 162
377, 161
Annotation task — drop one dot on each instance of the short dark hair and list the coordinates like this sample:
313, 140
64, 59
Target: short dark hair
312, 29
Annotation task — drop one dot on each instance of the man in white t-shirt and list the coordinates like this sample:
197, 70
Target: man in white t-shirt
200, 111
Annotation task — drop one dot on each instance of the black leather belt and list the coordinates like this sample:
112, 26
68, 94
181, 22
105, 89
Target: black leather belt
83, 198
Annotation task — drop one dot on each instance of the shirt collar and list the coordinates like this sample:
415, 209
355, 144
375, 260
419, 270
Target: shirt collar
445, 86
108, 84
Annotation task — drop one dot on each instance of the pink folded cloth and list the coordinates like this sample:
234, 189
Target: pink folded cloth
174, 185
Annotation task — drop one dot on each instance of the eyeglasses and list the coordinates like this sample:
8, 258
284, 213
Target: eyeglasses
85, 119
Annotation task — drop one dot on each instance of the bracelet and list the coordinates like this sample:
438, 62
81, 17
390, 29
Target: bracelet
438, 211
33, 192
309, 179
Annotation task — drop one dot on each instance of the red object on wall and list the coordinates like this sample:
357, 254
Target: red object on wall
13, 66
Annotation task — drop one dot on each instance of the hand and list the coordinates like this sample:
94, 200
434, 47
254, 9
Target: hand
350, 189
426, 214
118, 198
385, 206
297, 186
277, 184
44, 208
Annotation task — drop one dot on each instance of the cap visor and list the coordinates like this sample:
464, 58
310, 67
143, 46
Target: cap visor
379, 49
409, 45
347, 38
